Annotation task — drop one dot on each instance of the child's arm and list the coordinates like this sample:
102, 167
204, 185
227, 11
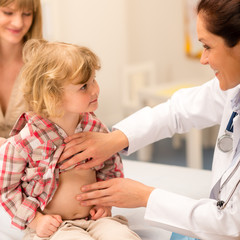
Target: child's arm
20, 207
45, 225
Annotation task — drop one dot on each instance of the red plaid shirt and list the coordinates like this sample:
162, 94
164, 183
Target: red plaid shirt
28, 171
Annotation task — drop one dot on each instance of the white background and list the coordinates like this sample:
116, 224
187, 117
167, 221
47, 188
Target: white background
125, 32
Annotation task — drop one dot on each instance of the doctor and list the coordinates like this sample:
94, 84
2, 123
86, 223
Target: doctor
216, 102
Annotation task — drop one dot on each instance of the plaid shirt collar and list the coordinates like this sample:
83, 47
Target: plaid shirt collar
46, 124
38, 121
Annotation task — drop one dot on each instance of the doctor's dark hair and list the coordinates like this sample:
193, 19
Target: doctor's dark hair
49, 66
222, 18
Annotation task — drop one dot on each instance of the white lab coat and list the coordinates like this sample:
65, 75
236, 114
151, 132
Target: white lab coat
198, 107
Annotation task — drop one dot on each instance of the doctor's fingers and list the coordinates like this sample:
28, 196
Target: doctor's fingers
115, 199
75, 139
97, 197
71, 151
74, 136
100, 185
91, 163
84, 137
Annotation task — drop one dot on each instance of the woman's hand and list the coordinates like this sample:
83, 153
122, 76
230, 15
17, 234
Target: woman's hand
100, 211
119, 192
92, 145
45, 225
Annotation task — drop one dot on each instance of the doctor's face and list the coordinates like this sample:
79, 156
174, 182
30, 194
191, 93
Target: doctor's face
224, 60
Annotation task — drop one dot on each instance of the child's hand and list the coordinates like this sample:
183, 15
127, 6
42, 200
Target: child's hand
100, 211
46, 225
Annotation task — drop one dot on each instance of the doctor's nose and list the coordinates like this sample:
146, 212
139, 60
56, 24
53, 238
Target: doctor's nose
204, 58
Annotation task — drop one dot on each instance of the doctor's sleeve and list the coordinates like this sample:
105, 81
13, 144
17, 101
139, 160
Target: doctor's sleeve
196, 218
197, 107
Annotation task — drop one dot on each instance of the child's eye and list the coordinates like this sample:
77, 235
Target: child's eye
84, 87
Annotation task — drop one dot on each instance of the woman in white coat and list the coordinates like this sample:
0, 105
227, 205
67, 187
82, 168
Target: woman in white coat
213, 103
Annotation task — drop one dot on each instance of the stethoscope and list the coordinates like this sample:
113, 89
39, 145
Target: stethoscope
220, 203
225, 142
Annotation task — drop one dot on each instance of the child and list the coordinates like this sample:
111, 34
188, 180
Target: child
61, 93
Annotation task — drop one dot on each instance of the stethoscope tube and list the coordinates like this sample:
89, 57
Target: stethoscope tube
220, 203
225, 144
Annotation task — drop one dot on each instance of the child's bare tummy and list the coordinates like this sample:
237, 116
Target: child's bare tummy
64, 201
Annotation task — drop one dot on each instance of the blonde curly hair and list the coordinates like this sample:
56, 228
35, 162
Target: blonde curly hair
35, 30
48, 67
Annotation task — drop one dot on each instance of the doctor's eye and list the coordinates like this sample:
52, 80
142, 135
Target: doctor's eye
206, 47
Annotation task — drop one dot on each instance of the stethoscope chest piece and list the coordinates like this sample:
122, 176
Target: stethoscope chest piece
225, 142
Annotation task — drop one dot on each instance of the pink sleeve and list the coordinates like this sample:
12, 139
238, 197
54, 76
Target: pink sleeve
21, 208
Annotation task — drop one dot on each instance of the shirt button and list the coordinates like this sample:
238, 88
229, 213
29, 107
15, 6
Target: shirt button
61, 132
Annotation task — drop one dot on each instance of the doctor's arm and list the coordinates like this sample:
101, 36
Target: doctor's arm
197, 107
173, 212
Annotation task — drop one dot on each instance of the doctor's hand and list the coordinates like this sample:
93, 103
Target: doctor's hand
96, 146
118, 192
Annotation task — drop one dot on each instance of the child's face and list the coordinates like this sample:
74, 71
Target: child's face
82, 97
14, 23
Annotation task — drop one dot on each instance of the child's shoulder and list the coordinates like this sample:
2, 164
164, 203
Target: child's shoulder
30, 131
87, 117
90, 122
